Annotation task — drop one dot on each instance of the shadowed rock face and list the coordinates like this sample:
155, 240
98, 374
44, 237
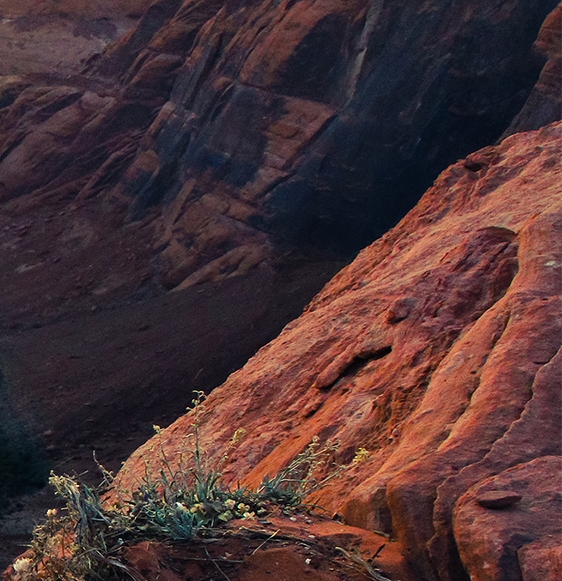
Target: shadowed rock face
287, 116
544, 104
318, 123
438, 351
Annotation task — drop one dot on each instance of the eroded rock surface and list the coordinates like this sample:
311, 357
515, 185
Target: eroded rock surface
231, 151
519, 542
318, 122
437, 350
212, 143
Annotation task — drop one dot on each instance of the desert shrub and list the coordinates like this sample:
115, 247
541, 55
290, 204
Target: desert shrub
86, 539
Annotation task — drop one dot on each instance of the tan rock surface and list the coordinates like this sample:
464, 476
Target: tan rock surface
434, 350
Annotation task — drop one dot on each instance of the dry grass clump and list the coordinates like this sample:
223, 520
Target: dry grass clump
85, 541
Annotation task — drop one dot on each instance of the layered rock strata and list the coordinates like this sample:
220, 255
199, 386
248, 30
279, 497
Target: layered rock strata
318, 122
210, 144
215, 141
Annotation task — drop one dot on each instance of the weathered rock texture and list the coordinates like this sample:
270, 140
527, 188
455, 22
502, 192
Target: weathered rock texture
317, 122
221, 140
523, 542
437, 350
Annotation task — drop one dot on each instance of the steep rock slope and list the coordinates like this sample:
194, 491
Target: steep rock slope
218, 140
438, 351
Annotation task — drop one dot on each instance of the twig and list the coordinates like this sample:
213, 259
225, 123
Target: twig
217, 566
223, 559
266, 540
358, 560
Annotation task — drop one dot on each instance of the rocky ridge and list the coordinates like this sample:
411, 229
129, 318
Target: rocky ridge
190, 154
438, 351
235, 122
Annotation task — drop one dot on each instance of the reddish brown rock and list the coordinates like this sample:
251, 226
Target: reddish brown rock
208, 151
496, 499
522, 541
303, 548
260, 122
539, 562
436, 350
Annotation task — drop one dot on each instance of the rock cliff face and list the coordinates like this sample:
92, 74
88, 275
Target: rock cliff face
237, 153
316, 122
223, 140
438, 351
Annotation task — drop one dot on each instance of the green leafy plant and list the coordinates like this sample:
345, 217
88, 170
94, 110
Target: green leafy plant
85, 540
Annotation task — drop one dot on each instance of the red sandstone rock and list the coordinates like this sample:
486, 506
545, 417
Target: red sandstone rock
212, 149
437, 350
247, 124
496, 499
522, 541
302, 548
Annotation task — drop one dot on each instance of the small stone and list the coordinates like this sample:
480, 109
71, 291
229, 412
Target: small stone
498, 499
